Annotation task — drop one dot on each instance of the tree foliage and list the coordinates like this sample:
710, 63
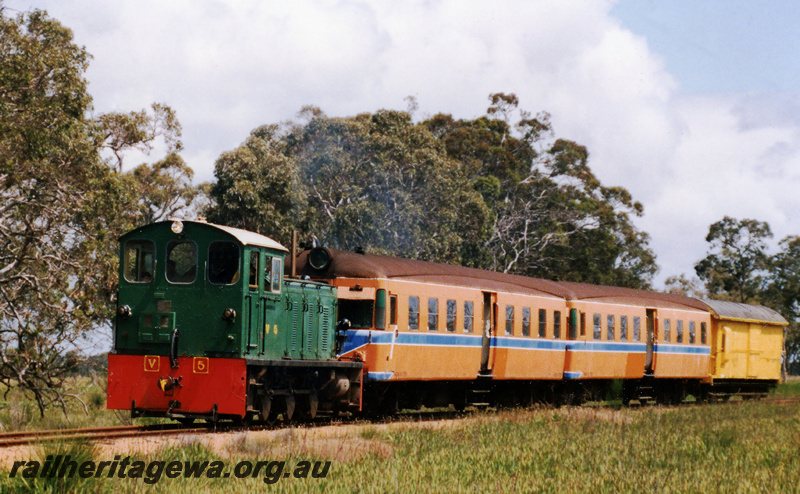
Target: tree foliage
63, 206
487, 193
738, 261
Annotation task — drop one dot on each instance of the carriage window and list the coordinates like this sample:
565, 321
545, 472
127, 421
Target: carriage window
637, 327
542, 322
433, 314
509, 319
223, 263
413, 312
679, 330
598, 326
393, 309
451, 315
666, 330
610, 327
557, 324
703, 333
181, 261
583, 324
469, 309
358, 312
272, 275
139, 261
623, 328
526, 321
691, 332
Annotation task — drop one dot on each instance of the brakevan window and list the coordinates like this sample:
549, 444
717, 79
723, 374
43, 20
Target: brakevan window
433, 314
509, 319
526, 321
623, 328
358, 312
598, 328
679, 330
223, 263
637, 327
610, 326
181, 261
469, 311
140, 261
451, 315
691, 332
666, 330
557, 324
703, 333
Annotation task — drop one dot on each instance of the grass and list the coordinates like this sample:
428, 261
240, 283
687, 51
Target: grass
742, 447
85, 407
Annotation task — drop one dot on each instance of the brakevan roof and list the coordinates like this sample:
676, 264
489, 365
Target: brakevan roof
745, 312
346, 264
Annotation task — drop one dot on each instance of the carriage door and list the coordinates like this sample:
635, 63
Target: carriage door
489, 329
650, 358
253, 304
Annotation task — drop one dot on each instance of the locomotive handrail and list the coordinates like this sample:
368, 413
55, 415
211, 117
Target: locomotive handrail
173, 349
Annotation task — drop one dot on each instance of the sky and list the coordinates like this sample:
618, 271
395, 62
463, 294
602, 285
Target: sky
691, 106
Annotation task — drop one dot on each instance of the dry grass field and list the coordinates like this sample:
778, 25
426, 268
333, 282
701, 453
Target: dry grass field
736, 447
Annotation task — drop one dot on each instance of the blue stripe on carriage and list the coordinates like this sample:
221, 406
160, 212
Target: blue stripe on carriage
379, 376
358, 338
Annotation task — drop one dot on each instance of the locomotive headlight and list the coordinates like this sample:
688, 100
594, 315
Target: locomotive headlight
124, 311
177, 227
320, 258
229, 314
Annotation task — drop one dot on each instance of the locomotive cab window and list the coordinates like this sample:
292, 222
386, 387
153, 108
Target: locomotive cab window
139, 261
359, 312
273, 270
181, 261
223, 263
252, 276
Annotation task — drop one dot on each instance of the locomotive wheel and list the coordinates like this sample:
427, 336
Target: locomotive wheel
266, 408
290, 406
308, 407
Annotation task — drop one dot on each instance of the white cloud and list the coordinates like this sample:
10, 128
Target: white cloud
229, 67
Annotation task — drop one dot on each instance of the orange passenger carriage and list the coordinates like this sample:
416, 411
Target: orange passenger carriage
437, 334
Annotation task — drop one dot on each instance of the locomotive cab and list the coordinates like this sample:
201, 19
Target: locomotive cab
198, 289
207, 325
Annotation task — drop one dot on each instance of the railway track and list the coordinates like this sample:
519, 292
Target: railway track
101, 433
30, 437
